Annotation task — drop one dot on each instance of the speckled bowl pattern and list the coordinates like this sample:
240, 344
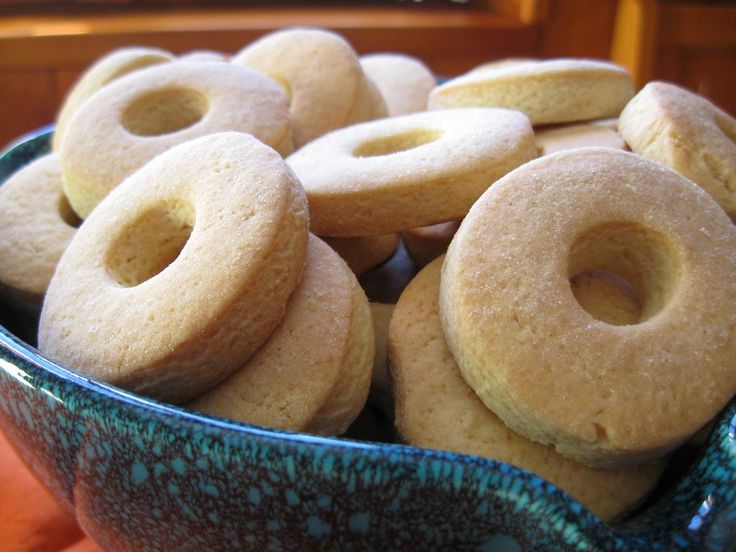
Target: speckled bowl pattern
141, 475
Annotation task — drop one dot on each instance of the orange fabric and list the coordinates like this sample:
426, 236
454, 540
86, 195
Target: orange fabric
30, 519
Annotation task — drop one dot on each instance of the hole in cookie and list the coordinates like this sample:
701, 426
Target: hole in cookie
622, 273
403, 141
164, 111
67, 214
609, 298
151, 243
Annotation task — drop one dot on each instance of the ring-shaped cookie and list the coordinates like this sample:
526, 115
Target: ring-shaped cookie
102, 72
36, 225
603, 394
143, 114
419, 169
183, 272
672, 126
551, 91
314, 372
322, 77
436, 408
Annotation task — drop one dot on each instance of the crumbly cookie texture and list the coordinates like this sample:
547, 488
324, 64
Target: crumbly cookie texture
436, 408
398, 173
314, 372
36, 225
182, 272
140, 115
551, 91
604, 394
686, 132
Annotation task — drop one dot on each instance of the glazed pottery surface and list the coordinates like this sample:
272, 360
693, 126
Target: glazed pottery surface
141, 475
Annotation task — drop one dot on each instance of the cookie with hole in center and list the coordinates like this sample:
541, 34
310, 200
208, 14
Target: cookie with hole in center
143, 114
603, 394
402, 172
102, 72
436, 408
182, 272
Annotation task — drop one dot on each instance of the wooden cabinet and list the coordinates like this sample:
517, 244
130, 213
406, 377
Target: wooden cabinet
690, 43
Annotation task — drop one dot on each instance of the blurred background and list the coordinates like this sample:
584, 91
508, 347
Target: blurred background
45, 44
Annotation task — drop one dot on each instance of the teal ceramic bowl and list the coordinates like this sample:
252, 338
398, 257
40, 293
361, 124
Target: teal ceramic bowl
141, 475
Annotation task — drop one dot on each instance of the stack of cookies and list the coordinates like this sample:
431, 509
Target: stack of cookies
576, 315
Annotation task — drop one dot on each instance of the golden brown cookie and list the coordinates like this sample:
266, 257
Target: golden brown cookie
607, 395
177, 279
436, 408
105, 70
364, 253
36, 225
549, 91
141, 115
322, 77
314, 372
402, 172
670, 125
404, 81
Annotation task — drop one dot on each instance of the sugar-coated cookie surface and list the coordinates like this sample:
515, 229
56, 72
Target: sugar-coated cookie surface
322, 77
140, 115
366, 252
402, 172
550, 91
670, 125
436, 408
601, 393
314, 372
404, 81
182, 272
111, 66
36, 225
